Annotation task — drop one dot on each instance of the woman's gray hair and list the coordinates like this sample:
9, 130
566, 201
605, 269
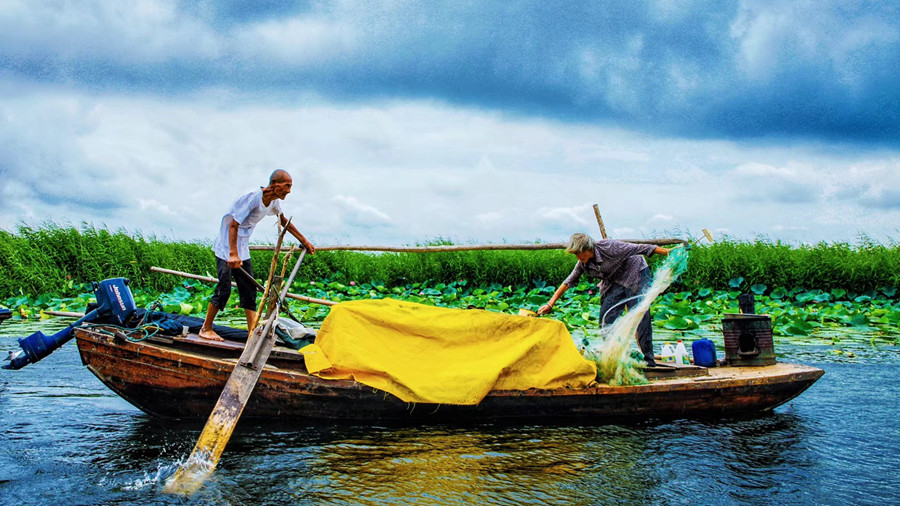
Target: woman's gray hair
579, 243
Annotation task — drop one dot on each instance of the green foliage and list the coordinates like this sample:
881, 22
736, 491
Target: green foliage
55, 259
477, 267
754, 266
52, 259
795, 312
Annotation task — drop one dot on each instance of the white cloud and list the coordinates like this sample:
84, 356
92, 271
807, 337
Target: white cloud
401, 173
141, 31
296, 41
154, 206
564, 215
360, 214
762, 182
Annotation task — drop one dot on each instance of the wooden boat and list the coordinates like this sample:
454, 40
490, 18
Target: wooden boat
182, 377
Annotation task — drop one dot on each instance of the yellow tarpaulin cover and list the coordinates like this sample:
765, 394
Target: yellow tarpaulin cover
447, 356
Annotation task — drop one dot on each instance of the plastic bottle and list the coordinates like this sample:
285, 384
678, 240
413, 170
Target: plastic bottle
668, 353
681, 354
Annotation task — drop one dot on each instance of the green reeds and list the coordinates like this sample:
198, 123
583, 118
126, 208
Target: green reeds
51, 258
826, 266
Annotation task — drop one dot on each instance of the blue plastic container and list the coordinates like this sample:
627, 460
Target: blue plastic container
704, 352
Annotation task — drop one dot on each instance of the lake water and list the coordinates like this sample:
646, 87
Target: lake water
65, 438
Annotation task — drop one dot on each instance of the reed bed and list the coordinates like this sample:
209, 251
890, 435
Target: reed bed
53, 258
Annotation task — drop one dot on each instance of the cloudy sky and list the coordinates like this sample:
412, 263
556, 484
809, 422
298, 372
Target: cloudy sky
475, 121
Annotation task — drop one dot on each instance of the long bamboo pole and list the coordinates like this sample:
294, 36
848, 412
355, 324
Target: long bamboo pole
474, 247
209, 279
268, 285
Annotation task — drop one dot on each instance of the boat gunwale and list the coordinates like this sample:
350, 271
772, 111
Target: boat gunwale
720, 377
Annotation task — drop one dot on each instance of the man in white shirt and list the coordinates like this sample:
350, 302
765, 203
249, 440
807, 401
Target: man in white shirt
232, 247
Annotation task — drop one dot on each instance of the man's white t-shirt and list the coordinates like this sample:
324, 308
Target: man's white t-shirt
247, 210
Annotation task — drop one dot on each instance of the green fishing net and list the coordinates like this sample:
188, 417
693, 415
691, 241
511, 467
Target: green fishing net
611, 348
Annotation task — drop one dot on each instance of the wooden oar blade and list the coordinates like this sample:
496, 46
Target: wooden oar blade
220, 425
216, 433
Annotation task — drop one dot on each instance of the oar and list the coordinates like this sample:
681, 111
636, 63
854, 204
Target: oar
263, 290
209, 279
211, 443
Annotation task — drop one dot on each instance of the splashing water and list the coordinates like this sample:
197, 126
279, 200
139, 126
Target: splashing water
611, 349
190, 474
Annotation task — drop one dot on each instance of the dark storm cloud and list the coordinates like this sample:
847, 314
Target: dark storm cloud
811, 70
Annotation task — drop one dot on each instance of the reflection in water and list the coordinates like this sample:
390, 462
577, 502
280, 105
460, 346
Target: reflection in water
464, 465
63, 434
469, 465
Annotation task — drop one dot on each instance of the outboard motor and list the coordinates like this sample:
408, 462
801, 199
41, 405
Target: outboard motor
114, 300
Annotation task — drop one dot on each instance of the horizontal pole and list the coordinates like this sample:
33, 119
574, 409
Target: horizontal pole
474, 247
66, 314
209, 279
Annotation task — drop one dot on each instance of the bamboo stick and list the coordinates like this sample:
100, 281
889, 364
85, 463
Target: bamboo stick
209, 279
65, 314
474, 247
268, 286
599, 221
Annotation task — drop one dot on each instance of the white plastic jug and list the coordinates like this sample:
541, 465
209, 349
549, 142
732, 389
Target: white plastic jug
668, 353
681, 354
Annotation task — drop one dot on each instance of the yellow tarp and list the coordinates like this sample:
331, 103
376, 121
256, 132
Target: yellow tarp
447, 356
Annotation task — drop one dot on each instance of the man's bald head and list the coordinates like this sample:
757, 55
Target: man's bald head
279, 176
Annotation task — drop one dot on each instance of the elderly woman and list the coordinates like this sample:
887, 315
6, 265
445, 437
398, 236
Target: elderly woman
623, 272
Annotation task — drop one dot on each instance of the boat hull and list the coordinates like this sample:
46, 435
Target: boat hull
184, 383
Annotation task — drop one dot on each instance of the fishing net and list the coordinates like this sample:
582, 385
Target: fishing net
611, 349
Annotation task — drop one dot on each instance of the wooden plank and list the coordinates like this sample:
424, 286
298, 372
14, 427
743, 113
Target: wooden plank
196, 340
664, 371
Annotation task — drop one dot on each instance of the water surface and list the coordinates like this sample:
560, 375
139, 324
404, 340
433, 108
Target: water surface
64, 437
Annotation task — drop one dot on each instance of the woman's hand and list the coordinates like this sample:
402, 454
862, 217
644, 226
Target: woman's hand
545, 309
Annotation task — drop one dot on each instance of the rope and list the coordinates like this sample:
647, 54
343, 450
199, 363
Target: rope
148, 330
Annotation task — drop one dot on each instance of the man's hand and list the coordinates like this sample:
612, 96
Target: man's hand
234, 261
309, 247
545, 309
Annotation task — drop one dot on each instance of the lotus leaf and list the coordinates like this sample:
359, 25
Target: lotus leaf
859, 320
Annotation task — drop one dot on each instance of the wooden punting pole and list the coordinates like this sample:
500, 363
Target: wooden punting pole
208, 279
473, 247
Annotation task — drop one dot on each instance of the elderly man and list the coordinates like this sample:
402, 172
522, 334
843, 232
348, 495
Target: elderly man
232, 247
622, 272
